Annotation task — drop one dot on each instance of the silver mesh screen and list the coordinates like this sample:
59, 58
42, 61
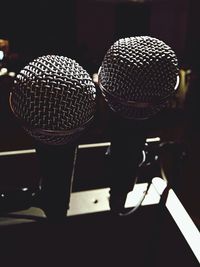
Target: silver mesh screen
54, 98
138, 75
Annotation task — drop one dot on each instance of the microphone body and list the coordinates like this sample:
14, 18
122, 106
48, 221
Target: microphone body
127, 143
57, 165
53, 97
137, 78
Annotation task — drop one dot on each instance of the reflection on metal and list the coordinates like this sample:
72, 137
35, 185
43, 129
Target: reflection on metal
105, 144
180, 216
93, 201
87, 202
17, 152
82, 146
184, 222
159, 185
153, 139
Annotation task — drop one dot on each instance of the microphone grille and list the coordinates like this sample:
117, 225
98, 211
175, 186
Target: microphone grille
53, 96
138, 75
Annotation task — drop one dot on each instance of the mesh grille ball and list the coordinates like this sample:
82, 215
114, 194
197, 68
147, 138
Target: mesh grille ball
138, 75
54, 98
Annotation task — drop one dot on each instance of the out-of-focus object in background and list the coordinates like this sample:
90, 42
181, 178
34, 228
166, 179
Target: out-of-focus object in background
4, 48
4, 58
178, 101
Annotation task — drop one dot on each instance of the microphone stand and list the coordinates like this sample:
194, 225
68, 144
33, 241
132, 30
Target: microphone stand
57, 163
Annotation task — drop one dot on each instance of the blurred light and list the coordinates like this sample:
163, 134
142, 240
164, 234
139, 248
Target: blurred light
12, 74
25, 189
95, 78
3, 71
1, 55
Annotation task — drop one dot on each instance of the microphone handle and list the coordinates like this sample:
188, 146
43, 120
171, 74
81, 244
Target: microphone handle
57, 165
127, 142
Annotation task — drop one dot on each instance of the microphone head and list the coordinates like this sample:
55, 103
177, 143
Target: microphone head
54, 98
138, 76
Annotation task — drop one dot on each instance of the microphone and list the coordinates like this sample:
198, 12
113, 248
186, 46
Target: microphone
53, 98
137, 78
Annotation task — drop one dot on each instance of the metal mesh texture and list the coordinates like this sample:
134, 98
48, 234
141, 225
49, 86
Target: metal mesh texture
52, 96
138, 75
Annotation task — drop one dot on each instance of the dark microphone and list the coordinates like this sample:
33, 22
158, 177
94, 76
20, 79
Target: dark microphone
138, 77
54, 99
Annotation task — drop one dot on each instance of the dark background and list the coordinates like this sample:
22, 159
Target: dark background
84, 30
